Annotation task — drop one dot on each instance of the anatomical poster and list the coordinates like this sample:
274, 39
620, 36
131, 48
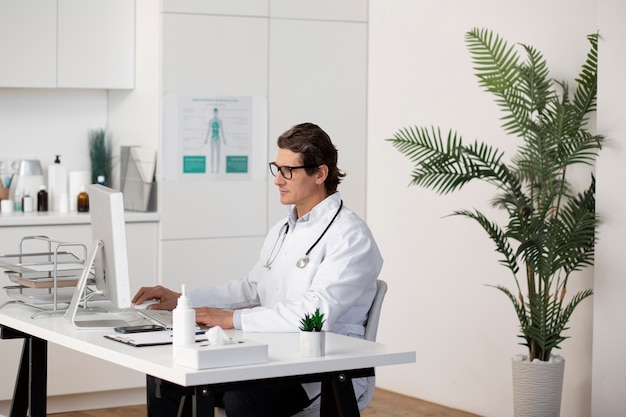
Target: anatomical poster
214, 137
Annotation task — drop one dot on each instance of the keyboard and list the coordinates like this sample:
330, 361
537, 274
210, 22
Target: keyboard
160, 317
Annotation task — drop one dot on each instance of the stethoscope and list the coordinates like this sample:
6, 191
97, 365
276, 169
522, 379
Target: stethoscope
282, 234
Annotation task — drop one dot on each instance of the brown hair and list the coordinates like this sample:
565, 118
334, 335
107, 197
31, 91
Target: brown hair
316, 148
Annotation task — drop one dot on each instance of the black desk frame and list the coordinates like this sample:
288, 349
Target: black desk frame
32, 376
337, 400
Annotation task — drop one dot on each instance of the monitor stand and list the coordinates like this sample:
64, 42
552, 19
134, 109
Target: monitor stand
81, 285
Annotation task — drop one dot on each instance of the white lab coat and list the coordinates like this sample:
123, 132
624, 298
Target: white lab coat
340, 278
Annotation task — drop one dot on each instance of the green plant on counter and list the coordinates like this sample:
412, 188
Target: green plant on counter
550, 231
100, 155
312, 322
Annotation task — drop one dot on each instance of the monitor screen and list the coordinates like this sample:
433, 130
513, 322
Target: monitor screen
108, 256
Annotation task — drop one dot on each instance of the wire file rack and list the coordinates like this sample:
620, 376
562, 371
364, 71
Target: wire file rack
45, 275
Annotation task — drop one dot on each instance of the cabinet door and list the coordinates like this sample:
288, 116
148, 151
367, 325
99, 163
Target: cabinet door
28, 38
96, 43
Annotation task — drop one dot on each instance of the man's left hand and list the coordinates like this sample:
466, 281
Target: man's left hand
215, 317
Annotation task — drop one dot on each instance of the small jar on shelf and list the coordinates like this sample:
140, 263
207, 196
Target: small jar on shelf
82, 200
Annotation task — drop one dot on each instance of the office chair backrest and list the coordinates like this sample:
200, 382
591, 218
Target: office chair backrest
373, 316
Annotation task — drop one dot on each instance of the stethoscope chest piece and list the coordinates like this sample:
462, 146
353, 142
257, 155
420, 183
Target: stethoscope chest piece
302, 262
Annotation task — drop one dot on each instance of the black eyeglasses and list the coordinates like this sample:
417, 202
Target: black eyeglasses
286, 171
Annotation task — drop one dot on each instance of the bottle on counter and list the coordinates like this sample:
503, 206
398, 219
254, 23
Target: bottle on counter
183, 321
57, 184
27, 203
82, 200
7, 206
18, 201
42, 199
64, 203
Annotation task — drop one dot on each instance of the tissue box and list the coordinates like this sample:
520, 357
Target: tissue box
204, 356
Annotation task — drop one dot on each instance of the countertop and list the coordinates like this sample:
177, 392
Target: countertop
57, 218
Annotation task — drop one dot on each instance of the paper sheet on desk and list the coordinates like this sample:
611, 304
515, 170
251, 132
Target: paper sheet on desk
148, 338
50, 267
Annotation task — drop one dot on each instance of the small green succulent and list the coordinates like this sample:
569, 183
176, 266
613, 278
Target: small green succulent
312, 322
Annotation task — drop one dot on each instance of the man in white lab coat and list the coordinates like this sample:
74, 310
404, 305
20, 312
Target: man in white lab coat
322, 255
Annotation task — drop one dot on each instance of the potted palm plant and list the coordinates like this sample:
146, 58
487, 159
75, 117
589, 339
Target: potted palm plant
550, 233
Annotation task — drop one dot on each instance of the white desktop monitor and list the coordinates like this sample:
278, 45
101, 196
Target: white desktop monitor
108, 256
108, 226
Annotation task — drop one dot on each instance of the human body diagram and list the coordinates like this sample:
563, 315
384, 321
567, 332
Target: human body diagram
215, 135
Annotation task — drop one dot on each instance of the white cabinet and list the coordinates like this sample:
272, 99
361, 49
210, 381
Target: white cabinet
67, 43
28, 32
96, 43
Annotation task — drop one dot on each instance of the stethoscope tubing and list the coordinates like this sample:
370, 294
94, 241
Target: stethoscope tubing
282, 234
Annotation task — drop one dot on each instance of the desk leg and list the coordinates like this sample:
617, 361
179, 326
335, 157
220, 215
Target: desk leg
174, 400
30, 386
202, 402
38, 377
338, 398
19, 405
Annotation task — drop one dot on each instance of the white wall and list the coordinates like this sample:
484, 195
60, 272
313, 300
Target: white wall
134, 115
464, 332
609, 332
41, 123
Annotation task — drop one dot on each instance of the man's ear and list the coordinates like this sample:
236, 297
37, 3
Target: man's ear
322, 174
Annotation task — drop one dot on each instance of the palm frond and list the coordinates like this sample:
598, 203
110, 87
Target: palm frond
542, 331
534, 82
496, 64
441, 164
497, 236
586, 93
519, 307
566, 313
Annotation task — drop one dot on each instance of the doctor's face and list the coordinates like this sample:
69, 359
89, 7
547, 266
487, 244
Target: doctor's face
303, 190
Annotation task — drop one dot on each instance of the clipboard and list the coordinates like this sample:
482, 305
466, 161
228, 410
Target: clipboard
149, 338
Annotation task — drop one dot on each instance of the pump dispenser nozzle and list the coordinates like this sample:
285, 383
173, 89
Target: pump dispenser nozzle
57, 186
183, 300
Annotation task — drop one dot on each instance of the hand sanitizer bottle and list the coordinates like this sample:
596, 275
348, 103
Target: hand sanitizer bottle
183, 321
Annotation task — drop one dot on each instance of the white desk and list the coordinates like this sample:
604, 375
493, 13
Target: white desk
345, 358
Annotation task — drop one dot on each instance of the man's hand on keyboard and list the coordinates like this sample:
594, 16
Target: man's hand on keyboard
215, 317
166, 297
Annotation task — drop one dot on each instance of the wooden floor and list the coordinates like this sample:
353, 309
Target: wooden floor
384, 404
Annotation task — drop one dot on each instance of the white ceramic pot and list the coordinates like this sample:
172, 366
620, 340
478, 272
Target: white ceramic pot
312, 343
537, 387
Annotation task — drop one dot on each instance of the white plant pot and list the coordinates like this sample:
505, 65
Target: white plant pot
312, 343
537, 387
